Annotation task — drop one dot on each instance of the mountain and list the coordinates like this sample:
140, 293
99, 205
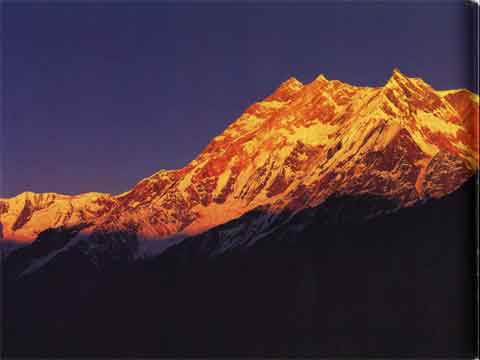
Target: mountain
327, 220
303, 144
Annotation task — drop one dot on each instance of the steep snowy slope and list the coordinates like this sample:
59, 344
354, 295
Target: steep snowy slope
404, 141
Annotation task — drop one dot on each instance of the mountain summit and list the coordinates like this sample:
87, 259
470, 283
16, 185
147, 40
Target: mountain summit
405, 142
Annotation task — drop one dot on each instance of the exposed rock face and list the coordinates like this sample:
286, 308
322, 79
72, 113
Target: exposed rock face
403, 142
444, 174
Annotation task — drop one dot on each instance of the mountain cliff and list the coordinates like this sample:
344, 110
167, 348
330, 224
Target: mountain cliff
327, 220
405, 142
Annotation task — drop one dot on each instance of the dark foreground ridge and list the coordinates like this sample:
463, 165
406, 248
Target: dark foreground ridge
399, 284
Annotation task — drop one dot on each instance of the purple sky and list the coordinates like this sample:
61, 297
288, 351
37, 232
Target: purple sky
99, 96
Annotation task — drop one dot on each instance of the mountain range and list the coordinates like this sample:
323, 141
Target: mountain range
319, 200
294, 149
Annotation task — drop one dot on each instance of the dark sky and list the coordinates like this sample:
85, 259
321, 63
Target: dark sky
98, 96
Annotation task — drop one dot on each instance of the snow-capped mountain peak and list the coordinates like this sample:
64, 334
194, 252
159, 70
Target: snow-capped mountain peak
292, 150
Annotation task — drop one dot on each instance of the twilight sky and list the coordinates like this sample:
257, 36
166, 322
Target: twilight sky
98, 96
